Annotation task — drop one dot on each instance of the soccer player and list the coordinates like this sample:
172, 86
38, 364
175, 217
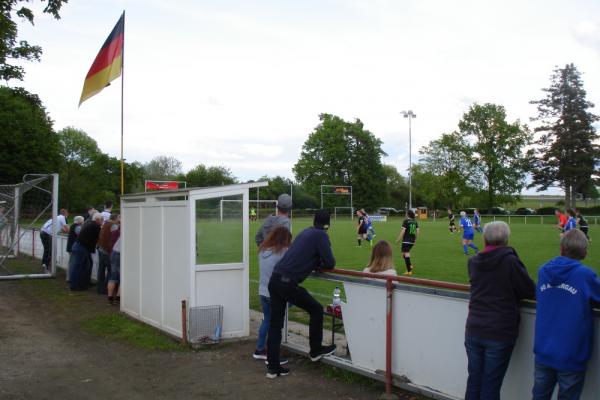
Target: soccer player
561, 219
468, 233
477, 221
583, 224
451, 224
408, 236
571, 221
361, 229
370, 230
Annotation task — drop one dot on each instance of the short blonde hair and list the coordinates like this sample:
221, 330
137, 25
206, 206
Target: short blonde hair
381, 257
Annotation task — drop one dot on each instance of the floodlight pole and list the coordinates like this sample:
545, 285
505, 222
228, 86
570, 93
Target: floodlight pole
410, 115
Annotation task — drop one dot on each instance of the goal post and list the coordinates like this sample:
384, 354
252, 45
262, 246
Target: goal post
338, 192
24, 207
348, 210
223, 205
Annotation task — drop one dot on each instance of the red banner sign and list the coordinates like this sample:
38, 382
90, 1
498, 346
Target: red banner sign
162, 185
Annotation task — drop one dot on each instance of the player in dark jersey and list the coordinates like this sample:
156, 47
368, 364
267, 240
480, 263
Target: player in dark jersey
361, 229
451, 224
408, 236
583, 224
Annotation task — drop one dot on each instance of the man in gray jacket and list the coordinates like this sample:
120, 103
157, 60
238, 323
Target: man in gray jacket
284, 206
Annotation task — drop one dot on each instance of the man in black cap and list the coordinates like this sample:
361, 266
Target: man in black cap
311, 250
284, 206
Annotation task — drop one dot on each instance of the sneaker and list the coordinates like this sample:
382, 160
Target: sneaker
260, 354
282, 361
408, 273
322, 352
273, 373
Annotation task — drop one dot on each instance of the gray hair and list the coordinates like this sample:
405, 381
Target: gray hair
574, 244
78, 220
97, 216
496, 233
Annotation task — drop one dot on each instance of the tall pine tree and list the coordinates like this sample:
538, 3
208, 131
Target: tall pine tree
567, 154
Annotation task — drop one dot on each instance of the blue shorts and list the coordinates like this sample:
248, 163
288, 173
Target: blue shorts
468, 236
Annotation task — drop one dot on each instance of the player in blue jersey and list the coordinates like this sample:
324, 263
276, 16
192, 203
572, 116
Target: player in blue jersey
477, 221
468, 233
571, 221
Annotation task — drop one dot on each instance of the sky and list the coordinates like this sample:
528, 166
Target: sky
241, 84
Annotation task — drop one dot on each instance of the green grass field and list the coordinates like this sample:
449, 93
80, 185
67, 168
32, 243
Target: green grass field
437, 254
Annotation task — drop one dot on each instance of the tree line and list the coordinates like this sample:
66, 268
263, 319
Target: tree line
487, 161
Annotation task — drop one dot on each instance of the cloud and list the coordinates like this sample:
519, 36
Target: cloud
588, 35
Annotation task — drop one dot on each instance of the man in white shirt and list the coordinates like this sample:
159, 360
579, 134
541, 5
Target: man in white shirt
107, 210
47, 232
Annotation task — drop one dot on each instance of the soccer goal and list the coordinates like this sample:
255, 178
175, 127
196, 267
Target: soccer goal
337, 196
345, 212
227, 207
24, 207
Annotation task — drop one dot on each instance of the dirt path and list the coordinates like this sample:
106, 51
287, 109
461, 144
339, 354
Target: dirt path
45, 354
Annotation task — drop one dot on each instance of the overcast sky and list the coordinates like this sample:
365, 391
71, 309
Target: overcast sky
241, 83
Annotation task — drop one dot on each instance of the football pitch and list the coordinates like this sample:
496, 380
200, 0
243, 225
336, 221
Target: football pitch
436, 255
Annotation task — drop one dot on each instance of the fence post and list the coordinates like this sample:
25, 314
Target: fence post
388, 342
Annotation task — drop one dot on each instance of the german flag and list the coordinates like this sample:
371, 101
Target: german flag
108, 63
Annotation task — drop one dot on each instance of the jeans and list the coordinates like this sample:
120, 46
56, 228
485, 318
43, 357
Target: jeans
487, 364
265, 304
570, 383
282, 291
79, 267
103, 271
47, 243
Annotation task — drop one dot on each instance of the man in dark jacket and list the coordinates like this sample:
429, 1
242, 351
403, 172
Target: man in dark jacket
311, 250
499, 281
80, 263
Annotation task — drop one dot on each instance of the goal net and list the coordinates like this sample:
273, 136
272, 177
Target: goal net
345, 212
229, 207
24, 208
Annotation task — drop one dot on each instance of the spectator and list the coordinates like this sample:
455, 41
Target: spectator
382, 261
80, 263
271, 251
89, 212
564, 325
107, 210
47, 233
499, 281
74, 230
310, 250
114, 279
284, 206
104, 249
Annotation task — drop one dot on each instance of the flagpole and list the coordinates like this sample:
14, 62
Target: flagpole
122, 92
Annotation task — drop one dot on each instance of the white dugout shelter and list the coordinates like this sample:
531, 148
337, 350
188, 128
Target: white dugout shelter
175, 247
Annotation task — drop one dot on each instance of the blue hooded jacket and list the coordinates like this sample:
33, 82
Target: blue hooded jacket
565, 292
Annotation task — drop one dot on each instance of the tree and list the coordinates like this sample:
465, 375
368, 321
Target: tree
443, 176
200, 176
10, 49
343, 153
90, 177
28, 141
494, 150
397, 188
163, 168
567, 155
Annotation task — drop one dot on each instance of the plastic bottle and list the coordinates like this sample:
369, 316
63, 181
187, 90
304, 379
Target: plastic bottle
337, 301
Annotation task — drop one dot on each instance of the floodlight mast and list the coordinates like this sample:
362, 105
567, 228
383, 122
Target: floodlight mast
410, 115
